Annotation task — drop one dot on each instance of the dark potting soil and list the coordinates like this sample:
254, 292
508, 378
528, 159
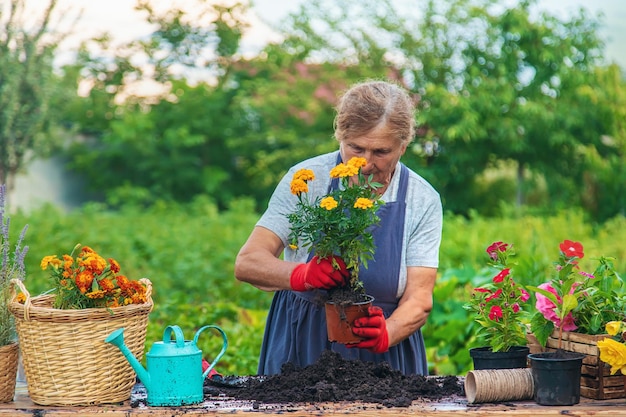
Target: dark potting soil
334, 379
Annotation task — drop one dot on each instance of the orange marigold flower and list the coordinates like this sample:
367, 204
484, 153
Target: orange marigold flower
84, 279
299, 186
363, 203
122, 282
106, 284
304, 175
86, 249
357, 162
21, 298
115, 266
328, 203
94, 262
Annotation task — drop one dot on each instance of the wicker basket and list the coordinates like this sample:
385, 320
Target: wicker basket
66, 360
9, 355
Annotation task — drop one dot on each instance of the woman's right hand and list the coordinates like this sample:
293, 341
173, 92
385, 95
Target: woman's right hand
319, 273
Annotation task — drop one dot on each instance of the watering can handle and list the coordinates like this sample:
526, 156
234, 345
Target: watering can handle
178, 333
224, 346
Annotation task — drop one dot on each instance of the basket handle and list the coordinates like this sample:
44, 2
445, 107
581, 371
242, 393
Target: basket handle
148, 284
18, 283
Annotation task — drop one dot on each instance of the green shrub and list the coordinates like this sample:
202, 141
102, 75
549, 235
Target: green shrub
188, 253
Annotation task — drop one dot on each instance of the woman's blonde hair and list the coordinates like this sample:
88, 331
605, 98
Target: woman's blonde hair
370, 104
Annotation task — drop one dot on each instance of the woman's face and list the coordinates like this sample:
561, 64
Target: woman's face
381, 151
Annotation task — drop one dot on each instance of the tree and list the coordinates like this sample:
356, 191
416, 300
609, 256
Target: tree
26, 85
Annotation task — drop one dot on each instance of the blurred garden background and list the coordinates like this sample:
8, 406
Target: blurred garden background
522, 130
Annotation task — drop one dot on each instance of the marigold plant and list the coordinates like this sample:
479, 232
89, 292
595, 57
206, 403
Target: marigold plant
340, 222
88, 281
577, 300
497, 305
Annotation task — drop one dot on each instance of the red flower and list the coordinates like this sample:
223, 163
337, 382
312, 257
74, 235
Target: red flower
503, 274
494, 295
572, 249
495, 313
496, 247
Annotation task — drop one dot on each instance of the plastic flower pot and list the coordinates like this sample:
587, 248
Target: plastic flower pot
485, 358
556, 377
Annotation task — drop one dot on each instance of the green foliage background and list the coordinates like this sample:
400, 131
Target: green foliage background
188, 252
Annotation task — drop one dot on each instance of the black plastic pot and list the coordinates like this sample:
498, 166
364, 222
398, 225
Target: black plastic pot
484, 358
556, 377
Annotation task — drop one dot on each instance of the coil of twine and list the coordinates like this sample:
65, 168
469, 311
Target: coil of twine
495, 385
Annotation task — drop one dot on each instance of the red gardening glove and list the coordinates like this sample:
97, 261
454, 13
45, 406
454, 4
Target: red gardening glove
318, 273
212, 372
374, 329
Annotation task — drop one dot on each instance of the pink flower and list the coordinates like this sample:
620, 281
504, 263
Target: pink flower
515, 308
546, 307
525, 296
494, 296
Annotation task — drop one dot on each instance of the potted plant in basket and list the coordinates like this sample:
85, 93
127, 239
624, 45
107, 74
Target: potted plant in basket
338, 224
572, 300
90, 298
498, 311
11, 267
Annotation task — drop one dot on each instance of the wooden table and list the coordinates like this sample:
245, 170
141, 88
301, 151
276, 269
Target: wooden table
452, 407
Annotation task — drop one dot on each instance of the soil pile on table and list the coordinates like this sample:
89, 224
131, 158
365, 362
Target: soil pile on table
334, 379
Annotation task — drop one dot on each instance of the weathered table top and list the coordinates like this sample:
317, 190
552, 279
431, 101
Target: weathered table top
442, 408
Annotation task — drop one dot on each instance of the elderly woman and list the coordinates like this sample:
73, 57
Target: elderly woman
375, 120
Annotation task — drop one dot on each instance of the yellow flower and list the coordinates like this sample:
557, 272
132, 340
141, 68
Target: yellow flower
344, 170
613, 353
48, 260
328, 203
363, 203
613, 327
293, 247
21, 298
304, 175
299, 186
357, 162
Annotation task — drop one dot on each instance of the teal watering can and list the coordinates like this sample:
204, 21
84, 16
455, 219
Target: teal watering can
174, 375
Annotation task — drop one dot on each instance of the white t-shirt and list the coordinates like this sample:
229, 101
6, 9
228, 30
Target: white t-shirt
423, 220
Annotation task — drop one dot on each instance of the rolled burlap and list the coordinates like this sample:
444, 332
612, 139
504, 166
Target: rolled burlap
495, 385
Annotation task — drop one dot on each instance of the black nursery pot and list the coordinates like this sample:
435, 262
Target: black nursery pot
484, 358
556, 377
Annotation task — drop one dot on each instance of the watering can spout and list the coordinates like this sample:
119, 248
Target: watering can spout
116, 338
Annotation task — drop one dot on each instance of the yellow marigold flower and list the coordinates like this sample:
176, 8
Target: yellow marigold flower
96, 294
21, 298
344, 170
613, 327
299, 186
304, 175
328, 203
47, 260
357, 162
613, 353
363, 203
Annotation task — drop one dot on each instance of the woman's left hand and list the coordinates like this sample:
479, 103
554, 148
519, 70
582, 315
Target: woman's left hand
374, 329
